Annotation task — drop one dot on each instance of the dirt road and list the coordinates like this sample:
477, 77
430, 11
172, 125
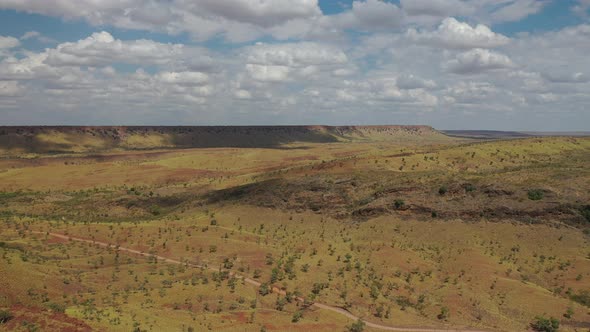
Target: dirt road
257, 284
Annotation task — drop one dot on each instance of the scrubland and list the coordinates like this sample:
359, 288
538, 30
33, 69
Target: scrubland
439, 233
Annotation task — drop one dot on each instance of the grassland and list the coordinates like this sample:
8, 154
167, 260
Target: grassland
437, 233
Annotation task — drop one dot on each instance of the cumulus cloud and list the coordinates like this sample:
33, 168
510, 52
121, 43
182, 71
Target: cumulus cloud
258, 12
275, 62
183, 78
10, 89
478, 60
295, 54
102, 48
511, 11
454, 34
407, 60
437, 8
8, 43
38, 36
266, 73
581, 8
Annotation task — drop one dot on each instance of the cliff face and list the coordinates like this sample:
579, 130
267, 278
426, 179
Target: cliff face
65, 139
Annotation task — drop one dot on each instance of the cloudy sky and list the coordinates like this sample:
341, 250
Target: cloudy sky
452, 64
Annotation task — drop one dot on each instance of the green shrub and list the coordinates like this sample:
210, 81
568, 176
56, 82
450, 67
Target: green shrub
536, 194
444, 313
358, 326
55, 307
297, 316
399, 203
542, 324
585, 211
442, 190
5, 316
155, 210
582, 298
469, 188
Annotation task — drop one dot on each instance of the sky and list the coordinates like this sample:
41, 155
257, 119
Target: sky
451, 64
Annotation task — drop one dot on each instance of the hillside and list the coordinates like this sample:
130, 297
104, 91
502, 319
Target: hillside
63, 139
481, 235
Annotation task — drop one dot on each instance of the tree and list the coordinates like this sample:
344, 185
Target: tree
358, 326
264, 289
297, 316
542, 324
444, 313
5, 316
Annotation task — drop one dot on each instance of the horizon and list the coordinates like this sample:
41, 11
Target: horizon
513, 65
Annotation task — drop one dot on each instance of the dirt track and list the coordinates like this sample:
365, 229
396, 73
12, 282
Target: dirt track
257, 284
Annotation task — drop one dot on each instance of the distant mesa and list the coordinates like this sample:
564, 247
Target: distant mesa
84, 139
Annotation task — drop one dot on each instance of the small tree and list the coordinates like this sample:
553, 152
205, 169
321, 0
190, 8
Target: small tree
264, 289
297, 316
444, 313
542, 324
535, 194
5, 316
442, 190
358, 326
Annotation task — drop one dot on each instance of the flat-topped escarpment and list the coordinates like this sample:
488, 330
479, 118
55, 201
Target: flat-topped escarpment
73, 139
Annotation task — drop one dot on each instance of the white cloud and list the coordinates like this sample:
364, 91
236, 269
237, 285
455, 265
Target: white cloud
258, 12
478, 60
295, 54
454, 34
8, 43
102, 49
581, 8
515, 10
268, 73
10, 89
30, 34
183, 78
242, 94
410, 81
438, 8
38, 36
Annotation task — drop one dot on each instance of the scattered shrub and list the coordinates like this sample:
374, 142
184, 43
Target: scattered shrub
399, 203
56, 307
542, 324
585, 211
469, 188
155, 210
536, 194
358, 326
5, 316
442, 190
444, 313
582, 298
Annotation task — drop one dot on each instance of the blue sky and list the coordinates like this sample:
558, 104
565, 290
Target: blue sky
505, 64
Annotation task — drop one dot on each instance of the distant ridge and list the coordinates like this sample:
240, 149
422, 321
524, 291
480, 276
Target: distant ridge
498, 134
79, 139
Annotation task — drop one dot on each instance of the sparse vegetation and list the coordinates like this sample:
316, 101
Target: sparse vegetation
542, 324
535, 194
5, 316
335, 224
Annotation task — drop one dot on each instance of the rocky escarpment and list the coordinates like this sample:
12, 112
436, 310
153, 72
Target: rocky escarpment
67, 139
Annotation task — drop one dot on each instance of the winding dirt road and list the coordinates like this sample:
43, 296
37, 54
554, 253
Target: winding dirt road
256, 284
